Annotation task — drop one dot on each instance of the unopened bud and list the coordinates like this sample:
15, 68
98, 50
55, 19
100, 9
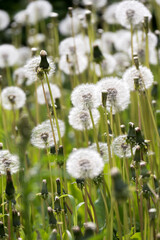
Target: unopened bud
145, 24
70, 11
16, 218
52, 219
58, 186
136, 61
53, 235
10, 190
34, 51
80, 183
44, 191
57, 206
139, 137
123, 128
77, 233
44, 62
152, 214
90, 229
88, 16
97, 54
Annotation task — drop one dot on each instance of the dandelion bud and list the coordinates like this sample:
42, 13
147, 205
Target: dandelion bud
104, 98
57, 206
146, 191
123, 128
52, 150
90, 229
139, 137
58, 186
154, 103
80, 183
44, 191
152, 214
100, 32
70, 9
137, 156
54, 15
16, 218
131, 133
53, 235
1, 146
158, 236
97, 54
88, 16
133, 172
52, 219
77, 233
44, 63
143, 170
2, 231
136, 61
34, 51
120, 188
154, 91
10, 190
145, 24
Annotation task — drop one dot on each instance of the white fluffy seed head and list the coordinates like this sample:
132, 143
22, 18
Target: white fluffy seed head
24, 54
81, 120
103, 150
21, 17
85, 96
31, 68
13, 98
4, 19
144, 74
118, 94
96, 3
8, 55
55, 93
20, 76
73, 64
36, 39
131, 12
38, 10
121, 148
42, 135
109, 14
107, 66
8, 161
84, 163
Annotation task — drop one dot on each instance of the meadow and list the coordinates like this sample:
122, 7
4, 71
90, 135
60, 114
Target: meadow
80, 121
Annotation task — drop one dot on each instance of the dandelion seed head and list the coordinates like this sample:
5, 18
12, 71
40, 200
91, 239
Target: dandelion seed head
97, 4
144, 74
24, 54
107, 41
85, 96
103, 150
131, 12
21, 17
55, 93
80, 119
73, 64
121, 148
107, 65
13, 98
122, 62
8, 161
118, 94
84, 163
8, 55
4, 19
122, 40
109, 14
20, 75
42, 135
36, 39
38, 10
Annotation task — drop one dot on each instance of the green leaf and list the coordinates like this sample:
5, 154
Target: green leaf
79, 205
136, 236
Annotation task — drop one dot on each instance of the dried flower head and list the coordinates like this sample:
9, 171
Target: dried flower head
144, 75
80, 119
55, 93
42, 136
8, 161
85, 96
4, 19
8, 55
131, 12
13, 98
121, 148
84, 163
118, 94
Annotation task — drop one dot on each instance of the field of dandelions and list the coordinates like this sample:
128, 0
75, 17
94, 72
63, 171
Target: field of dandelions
80, 121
